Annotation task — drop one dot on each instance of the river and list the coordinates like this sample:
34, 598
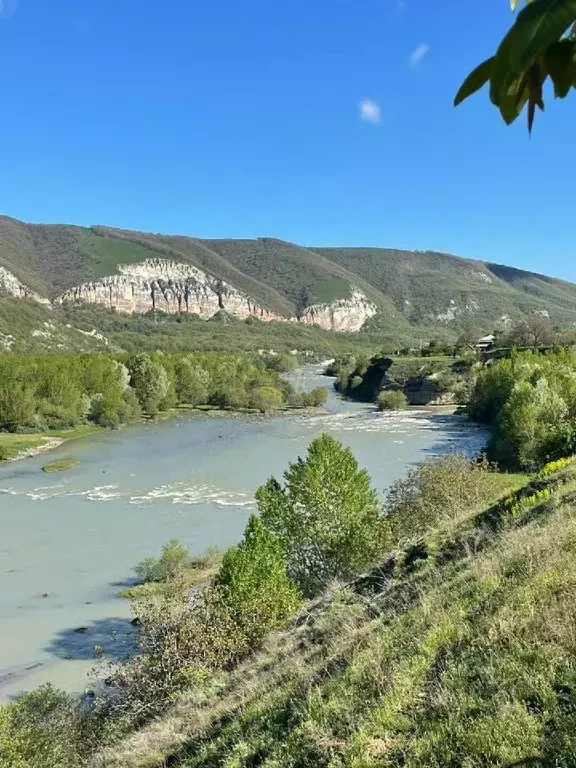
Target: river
69, 541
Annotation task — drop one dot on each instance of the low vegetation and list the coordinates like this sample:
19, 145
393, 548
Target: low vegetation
12, 445
61, 465
392, 400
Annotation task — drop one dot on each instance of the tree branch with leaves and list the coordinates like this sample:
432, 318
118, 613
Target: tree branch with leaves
541, 44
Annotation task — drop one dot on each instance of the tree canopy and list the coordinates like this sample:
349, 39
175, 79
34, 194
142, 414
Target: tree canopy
540, 44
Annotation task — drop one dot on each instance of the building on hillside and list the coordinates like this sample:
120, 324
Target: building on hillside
485, 343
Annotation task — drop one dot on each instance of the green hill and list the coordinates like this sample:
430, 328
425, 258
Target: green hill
417, 294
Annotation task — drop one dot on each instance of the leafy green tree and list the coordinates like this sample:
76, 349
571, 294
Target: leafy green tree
540, 44
255, 585
149, 381
18, 403
265, 399
532, 428
326, 515
192, 382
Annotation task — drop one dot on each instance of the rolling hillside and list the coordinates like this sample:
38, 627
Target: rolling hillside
397, 293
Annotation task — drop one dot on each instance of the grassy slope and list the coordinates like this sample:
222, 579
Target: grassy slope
457, 652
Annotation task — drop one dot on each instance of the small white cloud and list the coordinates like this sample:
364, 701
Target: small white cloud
369, 111
418, 54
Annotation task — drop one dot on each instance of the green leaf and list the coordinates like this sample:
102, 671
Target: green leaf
539, 24
559, 62
475, 80
512, 104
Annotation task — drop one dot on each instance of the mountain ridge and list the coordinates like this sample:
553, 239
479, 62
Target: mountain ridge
424, 290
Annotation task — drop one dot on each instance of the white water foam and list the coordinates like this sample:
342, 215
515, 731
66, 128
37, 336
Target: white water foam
181, 493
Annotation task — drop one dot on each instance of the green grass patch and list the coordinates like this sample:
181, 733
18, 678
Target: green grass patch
13, 445
61, 465
82, 430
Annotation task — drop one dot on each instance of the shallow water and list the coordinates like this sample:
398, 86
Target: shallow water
76, 536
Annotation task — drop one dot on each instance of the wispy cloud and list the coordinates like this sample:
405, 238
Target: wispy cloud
369, 111
399, 7
418, 54
7, 8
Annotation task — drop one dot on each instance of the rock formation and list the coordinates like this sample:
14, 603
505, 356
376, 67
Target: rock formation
173, 287
168, 286
342, 315
13, 286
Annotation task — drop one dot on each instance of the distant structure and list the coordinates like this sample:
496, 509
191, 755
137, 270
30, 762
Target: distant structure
485, 343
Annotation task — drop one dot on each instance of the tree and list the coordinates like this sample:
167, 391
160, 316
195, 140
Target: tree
541, 44
326, 515
150, 382
18, 403
265, 399
533, 427
192, 382
532, 331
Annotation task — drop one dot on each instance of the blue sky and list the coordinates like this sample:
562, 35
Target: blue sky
242, 119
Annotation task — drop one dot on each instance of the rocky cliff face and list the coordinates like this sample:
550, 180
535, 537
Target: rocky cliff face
168, 286
13, 286
342, 315
174, 287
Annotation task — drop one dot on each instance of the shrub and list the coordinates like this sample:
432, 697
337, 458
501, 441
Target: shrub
42, 728
438, 489
326, 515
316, 397
175, 558
392, 400
265, 399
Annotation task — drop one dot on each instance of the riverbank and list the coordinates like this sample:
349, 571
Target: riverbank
14, 447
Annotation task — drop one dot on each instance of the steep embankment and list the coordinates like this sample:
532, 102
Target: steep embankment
457, 651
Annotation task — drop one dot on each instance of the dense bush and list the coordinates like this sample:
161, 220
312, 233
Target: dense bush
392, 400
438, 489
43, 728
530, 402
255, 585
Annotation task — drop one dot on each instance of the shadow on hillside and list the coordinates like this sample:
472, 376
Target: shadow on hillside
115, 637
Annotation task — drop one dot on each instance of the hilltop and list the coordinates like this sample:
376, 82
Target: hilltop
384, 293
